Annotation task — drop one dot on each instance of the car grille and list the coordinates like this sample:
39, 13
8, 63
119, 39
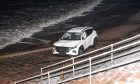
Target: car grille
62, 49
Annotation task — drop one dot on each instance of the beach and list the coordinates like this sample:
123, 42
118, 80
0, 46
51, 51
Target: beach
23, 64
19, 62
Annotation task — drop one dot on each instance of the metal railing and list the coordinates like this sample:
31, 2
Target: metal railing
90, 62
90, 59
89, 53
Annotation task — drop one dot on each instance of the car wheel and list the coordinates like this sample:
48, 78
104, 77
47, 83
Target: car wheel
81, 51
95, 42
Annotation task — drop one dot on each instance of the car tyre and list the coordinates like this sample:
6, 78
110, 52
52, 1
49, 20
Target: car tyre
95, 42
81, 51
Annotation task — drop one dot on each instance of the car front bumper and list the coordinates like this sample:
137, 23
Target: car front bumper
72, 52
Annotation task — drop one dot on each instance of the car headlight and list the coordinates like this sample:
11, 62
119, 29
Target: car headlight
74, 51
54, 48
71, 48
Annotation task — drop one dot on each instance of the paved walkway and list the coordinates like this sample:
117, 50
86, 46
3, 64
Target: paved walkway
129, 74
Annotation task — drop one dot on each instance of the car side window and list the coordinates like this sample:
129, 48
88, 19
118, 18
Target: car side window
84, 35
89, 31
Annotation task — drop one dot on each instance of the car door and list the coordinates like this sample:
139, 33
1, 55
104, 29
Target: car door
86, 38
89, 37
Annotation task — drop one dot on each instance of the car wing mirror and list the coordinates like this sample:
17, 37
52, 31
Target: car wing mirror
83, 38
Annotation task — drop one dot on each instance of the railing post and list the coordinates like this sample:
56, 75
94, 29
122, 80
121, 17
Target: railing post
90, 70
62, 76
41, 76
111, 54
73, 67
49, 82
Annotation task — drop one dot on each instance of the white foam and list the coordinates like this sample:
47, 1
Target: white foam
13, 36
73, 13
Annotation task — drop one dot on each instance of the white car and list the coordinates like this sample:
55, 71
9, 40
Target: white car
75, 41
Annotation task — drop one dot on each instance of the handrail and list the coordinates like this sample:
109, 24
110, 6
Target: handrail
117, 43
135, 60
30, 78
138, 42
88, 65
106, 53
97, 56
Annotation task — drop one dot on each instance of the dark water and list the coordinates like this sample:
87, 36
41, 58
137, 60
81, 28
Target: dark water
27, 24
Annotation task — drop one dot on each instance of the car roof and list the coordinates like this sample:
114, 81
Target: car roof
79, 29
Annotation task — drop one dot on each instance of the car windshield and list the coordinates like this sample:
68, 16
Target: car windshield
71, 36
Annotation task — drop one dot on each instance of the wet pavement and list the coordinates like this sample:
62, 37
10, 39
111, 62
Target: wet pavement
129, 74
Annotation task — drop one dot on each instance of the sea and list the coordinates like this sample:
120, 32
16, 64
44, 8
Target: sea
31, 24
